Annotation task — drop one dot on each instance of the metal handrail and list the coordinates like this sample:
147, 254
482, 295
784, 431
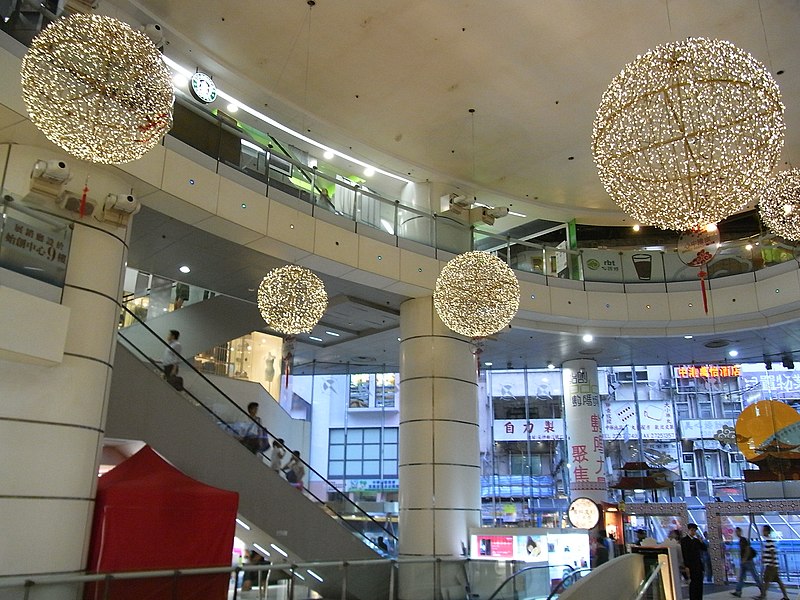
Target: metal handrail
649, 582
245, 416
516, 574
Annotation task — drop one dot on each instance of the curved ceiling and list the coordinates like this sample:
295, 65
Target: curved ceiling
393, 82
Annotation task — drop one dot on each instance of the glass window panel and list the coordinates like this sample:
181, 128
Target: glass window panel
372, 468
355, 436
336, 436
372, 436
337, 453
372, 451
390, 434
335, 468
355, 452
390, 451
390, 468
353, 468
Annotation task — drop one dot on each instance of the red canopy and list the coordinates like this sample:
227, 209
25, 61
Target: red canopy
148, 515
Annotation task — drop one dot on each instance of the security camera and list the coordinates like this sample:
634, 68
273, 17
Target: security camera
124, 203
488, 215
51, 171
155, 33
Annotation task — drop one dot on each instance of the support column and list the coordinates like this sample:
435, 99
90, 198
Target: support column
439, 465
582, 416
52, 417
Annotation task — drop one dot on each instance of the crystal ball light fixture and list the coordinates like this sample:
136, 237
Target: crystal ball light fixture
688, 133
292, 299
97, 88
476, 294
780, 205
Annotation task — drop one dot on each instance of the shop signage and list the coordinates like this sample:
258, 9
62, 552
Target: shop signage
706, 371
518, 430
697, 429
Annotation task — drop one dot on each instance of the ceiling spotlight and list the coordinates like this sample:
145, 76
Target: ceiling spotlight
550, 366
369, 172
180, 81
587, 337
487, 364
788, 362
232, 107
688, 337
184, 269
733, 353
636, 227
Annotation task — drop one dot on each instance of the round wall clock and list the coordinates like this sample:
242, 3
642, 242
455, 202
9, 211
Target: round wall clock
202, 88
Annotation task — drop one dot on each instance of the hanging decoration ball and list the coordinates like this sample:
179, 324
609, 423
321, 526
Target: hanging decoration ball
292, 299
97, 88
688, 133
780, 205
476, 294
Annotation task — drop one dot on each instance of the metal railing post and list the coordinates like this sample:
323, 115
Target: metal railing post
175, 579
107, 585
437, 578
28, 585
291, 582
236, 582
392, 575
344, 580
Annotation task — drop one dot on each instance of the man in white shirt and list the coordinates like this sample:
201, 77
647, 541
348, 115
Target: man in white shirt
172, 354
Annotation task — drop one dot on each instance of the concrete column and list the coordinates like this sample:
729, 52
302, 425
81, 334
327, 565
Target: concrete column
582, 415
439, 466
52, 417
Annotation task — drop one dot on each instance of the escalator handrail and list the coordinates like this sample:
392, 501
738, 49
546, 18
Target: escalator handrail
560, 585
244, 413
531, 568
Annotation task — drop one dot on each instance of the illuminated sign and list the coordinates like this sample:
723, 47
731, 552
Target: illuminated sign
706, 371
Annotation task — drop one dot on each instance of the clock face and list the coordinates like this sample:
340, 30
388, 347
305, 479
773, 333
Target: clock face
583, 513
202, 88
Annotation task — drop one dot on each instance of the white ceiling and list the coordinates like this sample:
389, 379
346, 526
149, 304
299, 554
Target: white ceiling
392, 82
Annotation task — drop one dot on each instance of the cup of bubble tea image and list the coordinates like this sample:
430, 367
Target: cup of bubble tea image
643, 263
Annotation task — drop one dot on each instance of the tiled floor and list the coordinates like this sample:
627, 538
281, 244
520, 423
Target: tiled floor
749, 591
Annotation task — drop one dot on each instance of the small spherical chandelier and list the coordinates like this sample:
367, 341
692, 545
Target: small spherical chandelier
476, 294
780, 205
97, 88
292, 299
688, 133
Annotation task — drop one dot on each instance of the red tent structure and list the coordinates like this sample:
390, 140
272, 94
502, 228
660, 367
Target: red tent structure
148, 515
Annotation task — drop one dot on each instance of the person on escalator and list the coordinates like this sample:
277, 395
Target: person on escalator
295, 470
278, 452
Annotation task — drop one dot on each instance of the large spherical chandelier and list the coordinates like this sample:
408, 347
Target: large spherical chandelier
476, 294
780, 205
97, 88
292, 299
688, 133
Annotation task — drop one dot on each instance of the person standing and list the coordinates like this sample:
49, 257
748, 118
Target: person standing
746, 563
600, 549
769, 560
692, 548
278, 452
295, 470
172, 354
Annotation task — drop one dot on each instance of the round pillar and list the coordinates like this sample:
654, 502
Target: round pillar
52, 417
439, 467
585, 453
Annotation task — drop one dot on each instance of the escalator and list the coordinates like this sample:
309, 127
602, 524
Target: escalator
189, 430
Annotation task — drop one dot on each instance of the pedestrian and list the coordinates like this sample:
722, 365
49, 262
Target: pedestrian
746, 563
693, 547
278, 452
172, 354
769, 560
382, 545
253, 435
295, 470
641, 535
600, 549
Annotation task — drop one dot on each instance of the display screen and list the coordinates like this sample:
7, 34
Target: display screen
562, 549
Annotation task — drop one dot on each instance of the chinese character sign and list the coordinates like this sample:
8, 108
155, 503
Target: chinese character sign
519, 430
582, 412
35, 248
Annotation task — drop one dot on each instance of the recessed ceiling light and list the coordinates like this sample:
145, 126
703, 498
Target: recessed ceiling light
487, 364
263, 551
314, 575
551, 366
369, 172
315, 338
636, 227
733, 353
232, 107
333, 333
180, 81
328, 155
688, 337
184, 269
587, 337
398, 339
243, 524
279, 550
